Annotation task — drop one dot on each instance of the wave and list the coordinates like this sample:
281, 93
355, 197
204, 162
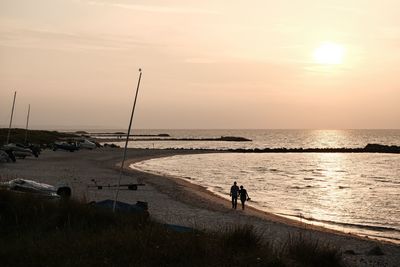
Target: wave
301, 187
350, 225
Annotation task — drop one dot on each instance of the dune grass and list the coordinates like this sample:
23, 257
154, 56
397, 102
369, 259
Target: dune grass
39, 232
311, 252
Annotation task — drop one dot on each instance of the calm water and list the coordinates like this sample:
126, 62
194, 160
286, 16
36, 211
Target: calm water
358, 193
273, 138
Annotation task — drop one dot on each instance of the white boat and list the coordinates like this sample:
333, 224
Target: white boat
29, 186
86, 144
19, 151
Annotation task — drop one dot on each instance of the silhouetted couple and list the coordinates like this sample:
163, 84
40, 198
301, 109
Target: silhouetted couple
236, 192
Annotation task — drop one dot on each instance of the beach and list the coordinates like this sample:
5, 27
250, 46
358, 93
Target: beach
176, 201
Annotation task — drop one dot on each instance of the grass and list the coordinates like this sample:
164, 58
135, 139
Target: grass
241, 238
39, 232
311, 252
34, 136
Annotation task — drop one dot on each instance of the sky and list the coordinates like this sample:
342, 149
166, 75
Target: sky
206, 64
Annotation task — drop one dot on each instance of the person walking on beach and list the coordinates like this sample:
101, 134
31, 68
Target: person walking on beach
234, 194
243, 196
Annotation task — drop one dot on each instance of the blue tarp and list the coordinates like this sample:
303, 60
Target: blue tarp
179, 228
122, 206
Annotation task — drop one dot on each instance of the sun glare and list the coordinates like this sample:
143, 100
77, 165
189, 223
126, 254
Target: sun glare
329, 53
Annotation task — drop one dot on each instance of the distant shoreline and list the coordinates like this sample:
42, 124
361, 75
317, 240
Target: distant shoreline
44, 137
370, 148
222, 138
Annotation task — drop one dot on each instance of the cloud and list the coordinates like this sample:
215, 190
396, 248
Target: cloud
150, 8
43, 38
198, 60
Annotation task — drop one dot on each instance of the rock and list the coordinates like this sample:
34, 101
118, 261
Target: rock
381, 148
234, 138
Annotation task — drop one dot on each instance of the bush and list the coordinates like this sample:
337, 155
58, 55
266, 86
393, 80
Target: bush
241, 237
41, 232
34, 136
308, 252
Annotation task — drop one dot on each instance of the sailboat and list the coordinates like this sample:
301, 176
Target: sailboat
14, 150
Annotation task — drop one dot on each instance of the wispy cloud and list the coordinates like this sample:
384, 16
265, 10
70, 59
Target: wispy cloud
43, 38
198, 60
150, 8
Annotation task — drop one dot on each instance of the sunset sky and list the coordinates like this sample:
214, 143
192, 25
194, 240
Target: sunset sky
206, 64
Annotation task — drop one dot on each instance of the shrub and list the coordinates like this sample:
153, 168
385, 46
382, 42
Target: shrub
309, 252
41, 232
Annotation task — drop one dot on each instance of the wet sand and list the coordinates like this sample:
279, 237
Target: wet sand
177, 201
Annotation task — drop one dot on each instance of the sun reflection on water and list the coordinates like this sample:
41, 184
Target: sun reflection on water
352, 192
331, 186
329, 138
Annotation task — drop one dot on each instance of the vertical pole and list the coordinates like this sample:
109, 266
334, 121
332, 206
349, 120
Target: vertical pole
126, 141
27, 123
12, 114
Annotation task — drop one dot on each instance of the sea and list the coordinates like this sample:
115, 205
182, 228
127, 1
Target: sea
355, 193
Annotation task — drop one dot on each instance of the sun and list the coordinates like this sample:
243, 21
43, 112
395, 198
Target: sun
329, 53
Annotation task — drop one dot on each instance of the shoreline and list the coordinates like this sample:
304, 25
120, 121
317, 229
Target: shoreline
176, 201
210, 196
253, 210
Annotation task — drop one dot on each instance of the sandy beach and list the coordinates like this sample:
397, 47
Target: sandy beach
176, 201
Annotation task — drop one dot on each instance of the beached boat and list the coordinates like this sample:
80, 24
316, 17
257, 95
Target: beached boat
20, 151
86, 144
140, 206
69, 146
29, 186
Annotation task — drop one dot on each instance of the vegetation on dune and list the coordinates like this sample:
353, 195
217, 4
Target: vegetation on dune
311, 252
39, 232
34, 136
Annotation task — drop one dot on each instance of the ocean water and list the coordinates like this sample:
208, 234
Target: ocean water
271, 138
350, 192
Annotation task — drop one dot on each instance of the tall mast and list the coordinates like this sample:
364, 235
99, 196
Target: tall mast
27, 123
126, 141
12, 114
